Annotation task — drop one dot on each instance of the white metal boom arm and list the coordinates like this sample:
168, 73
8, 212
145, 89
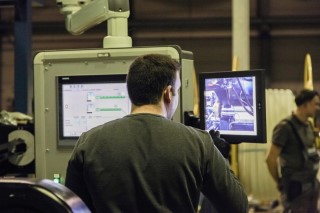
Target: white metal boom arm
81, 15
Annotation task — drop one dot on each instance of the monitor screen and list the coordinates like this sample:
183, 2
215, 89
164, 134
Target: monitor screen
234, 104
88, 101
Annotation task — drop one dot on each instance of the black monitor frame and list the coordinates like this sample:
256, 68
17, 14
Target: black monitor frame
251, 132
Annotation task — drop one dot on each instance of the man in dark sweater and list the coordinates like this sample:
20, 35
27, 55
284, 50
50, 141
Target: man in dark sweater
145, 162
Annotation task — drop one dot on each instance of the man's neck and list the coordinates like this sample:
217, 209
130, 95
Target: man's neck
151, 109
301, 116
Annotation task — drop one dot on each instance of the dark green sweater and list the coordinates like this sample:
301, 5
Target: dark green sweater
147, 163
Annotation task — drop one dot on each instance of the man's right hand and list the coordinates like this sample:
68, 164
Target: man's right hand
222, 145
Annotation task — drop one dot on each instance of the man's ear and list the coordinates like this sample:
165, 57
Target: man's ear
167, 94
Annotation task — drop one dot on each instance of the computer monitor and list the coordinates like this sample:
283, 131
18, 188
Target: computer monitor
86, 101
233, 102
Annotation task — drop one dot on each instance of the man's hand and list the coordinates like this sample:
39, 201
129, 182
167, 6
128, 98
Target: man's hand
222, 145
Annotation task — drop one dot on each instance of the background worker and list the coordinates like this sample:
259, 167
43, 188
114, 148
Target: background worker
293, 144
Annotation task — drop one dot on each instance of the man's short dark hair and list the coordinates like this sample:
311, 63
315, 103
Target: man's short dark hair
305, 96
148, 76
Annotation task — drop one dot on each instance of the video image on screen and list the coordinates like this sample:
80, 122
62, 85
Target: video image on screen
230, 105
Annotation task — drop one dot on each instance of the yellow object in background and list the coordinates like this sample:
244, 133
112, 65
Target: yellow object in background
308, 84
234, 147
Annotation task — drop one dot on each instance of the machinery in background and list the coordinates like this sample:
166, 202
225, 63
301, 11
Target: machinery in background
16, 145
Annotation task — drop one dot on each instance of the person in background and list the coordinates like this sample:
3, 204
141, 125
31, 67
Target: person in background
293, 143
145, 162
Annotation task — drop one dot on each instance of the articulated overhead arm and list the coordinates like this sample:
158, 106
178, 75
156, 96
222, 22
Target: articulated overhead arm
81, 15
